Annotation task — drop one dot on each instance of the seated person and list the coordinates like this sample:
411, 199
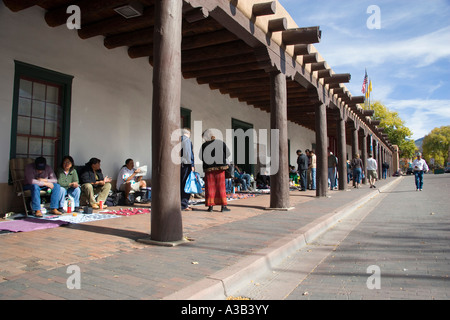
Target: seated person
263, 181
93, 182
68, 180
242, 178
127, 180
40, 176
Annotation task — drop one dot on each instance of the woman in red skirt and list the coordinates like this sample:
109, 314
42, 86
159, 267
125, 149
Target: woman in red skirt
214, 154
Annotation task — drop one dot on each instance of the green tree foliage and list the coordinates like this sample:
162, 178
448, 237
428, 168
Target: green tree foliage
436, 144
394, 127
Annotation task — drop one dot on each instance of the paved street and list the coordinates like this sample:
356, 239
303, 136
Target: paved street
398, 242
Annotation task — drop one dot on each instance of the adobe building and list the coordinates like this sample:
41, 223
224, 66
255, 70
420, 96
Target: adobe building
136, 71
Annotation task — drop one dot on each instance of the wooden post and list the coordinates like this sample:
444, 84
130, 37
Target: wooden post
166, 221
364, 158
321, 151
355, 142
342, 152
279, 182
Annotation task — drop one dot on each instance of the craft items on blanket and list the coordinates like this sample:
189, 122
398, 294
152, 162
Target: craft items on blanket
128, 211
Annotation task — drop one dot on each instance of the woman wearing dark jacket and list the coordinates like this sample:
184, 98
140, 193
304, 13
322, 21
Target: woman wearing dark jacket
92, 183
214, 154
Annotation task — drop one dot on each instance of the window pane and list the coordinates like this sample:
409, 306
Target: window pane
23, 125
22, 145
25, 88
52, 94
35, 147
37, 127
24, 107
51, 129
38, 109
52, 112
48, 148
39, 91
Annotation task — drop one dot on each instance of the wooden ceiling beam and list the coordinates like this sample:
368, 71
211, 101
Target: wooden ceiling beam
218, 63
249, 75
117, 25
264, 8
89, 9
301, 36
222, 71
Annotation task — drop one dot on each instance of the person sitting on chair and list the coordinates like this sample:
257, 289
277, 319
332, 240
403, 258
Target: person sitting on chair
40, 176
127, 179
93, 182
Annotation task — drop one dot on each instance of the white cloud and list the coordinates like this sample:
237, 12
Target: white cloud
420, 115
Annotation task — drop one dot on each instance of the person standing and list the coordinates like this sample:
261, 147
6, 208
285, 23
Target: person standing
372, 167
214, 154
357, 166
313, 169
419, 166
40, 176
187, 166
332, 165
302, 162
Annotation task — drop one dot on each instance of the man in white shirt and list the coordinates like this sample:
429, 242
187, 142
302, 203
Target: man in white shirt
127, 180
419, 167
372, 167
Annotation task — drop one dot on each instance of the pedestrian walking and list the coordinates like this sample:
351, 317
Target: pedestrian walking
419, 167
372, 167
357, 167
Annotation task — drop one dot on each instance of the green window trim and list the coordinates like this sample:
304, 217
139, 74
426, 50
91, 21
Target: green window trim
65, 81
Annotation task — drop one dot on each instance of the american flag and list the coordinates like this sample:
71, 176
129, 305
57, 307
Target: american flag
364, 87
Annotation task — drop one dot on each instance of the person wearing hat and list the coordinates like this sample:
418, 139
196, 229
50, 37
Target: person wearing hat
419, 167
40, 176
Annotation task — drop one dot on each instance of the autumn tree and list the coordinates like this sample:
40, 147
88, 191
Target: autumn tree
436, 145
398, 134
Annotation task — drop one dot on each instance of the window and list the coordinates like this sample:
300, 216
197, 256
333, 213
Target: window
41, 114
185, 118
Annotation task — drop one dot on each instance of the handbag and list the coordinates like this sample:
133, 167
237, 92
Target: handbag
193, 184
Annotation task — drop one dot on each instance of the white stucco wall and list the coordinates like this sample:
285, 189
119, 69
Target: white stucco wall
111, 94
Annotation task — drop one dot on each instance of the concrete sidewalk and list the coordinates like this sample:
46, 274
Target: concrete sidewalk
227, 250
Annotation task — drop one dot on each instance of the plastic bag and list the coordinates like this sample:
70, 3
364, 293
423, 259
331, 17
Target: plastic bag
193, 184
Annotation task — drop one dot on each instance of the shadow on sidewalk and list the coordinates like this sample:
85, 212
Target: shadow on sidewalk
129, 234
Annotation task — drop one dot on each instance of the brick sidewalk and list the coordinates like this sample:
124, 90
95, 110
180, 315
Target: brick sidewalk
33, 265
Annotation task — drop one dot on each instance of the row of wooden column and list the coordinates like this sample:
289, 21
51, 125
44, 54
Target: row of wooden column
166, 219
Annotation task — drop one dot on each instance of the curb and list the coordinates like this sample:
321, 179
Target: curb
221, 284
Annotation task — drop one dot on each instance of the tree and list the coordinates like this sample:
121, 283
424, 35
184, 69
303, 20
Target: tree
436, 145
398, 134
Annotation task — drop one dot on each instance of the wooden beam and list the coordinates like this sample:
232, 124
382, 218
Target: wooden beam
319, 66
222, 71
248, 75
119, 24
130, 39
338, 78
18, 5
89, 9
324, 74
302, 49
276, 25
302, 36
264, 9
310, 58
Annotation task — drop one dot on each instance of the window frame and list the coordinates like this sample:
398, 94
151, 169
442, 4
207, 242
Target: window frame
41, 74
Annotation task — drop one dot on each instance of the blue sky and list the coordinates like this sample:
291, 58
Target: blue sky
407, 59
